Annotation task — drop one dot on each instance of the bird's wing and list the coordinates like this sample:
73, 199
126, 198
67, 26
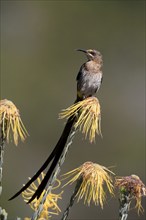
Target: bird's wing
80, 73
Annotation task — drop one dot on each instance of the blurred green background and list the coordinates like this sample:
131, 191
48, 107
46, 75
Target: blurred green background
38, 70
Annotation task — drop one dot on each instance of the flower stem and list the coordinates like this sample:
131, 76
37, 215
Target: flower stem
72, 199
2, 145
124, 201
55, 174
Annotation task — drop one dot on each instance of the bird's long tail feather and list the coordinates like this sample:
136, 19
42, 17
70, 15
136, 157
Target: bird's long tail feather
56, 153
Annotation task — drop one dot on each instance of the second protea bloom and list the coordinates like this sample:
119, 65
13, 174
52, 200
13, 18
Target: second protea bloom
10, 122
91, 179
88, 114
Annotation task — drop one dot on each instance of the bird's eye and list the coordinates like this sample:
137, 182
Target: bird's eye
92, 53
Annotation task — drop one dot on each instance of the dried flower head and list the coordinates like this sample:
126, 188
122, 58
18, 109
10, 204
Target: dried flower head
89, 116
134, 187
93, 178
10, 122
50, 206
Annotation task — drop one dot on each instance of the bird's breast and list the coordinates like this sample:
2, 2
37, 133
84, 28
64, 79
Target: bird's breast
89, 83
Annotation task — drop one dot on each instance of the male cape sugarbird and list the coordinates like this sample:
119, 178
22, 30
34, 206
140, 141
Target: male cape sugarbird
89, 80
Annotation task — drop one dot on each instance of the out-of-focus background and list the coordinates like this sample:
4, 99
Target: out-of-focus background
39, 65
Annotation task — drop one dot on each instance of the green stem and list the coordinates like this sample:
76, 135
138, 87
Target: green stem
2, 145
124, 201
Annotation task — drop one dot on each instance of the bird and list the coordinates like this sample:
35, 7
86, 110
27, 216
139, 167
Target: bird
89, 79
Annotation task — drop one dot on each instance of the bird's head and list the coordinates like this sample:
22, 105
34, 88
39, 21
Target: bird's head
92, 54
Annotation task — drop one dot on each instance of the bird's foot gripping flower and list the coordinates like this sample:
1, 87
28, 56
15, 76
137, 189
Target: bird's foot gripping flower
50, 206
88, 116
92, 178
10, 122
132, 188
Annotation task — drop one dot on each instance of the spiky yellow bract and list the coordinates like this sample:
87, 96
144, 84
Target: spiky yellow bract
50, 206
133, 186
88, 116
10, 122
93, 178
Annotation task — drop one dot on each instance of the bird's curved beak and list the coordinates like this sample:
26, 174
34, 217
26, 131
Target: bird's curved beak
85, 51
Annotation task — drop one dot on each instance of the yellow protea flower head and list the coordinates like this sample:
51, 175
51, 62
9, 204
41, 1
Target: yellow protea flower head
88, 116
50, 206
10, 122
134, 187
92, 179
